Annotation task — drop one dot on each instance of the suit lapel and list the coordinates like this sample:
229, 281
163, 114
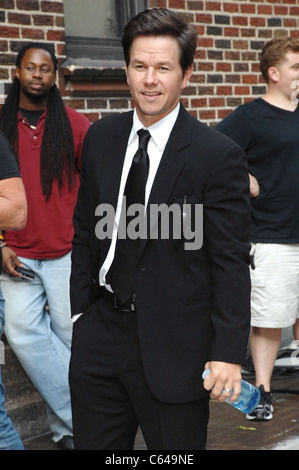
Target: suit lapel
172, 160
115, 153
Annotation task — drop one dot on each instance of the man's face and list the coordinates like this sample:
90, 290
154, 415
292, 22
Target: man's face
155, 76
36, 75
287, 72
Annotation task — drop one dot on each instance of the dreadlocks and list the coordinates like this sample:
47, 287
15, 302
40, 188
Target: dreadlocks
57, 151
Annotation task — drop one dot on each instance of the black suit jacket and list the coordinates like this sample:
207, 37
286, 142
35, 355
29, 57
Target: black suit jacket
192, 306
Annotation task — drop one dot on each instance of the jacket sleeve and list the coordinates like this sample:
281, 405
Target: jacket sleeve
80, 281
226, 228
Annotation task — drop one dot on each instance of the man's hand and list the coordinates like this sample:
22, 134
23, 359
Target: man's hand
223, 379
10, 260
253, 186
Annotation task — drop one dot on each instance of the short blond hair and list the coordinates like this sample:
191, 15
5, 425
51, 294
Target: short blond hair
274, 53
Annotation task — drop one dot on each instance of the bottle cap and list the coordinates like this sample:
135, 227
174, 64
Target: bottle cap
205, 373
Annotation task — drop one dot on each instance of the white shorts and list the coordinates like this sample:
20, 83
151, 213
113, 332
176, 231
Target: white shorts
274, 285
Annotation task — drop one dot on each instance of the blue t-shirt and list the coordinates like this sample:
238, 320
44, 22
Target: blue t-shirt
270, 138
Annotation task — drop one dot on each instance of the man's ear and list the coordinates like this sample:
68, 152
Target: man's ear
273, 74
17, 74
187, 75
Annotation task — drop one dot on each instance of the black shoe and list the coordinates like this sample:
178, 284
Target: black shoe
264, 410
66, 443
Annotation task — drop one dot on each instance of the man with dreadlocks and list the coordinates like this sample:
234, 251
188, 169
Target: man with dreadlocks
47, 138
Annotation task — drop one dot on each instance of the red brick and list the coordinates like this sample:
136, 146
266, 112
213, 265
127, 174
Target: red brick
27, 4
19, 18
280, 10
180, 4
249, 79
240, 44
43, 20
205, 66
7, 4
55, 35
7, 32
260, 22
52, 6
264, 10
199, 103
240, 20
158, 3
31, 33
224, 90
288, 23
205, 42
195, 5
216, 102
245, 8
207, 114
214, 6
204, 18
230, 32
294, 11
223, 67
198, 78
242, 90
230, 7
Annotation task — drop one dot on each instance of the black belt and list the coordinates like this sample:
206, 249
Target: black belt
111, 299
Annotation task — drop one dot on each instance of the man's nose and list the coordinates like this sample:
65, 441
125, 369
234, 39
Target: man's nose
37, 72
151, 76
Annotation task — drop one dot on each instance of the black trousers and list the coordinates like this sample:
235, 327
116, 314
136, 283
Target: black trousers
110, 395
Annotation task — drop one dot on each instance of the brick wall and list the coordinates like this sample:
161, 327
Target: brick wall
230, 37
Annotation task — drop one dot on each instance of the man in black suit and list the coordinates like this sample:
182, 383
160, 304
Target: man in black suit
145, 328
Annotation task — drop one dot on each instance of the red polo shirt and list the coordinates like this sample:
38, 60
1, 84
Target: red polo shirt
49, 229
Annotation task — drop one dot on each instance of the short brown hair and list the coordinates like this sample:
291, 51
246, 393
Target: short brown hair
274, 53
162, 22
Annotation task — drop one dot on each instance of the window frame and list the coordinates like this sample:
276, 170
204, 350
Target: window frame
99, 59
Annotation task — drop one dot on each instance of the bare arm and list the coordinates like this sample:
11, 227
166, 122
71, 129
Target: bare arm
13, 204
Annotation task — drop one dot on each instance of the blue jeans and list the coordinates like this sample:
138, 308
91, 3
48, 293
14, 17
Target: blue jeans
41, 338
9, 438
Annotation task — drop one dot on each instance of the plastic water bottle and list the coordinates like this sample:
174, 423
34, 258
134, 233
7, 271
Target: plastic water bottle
248, 399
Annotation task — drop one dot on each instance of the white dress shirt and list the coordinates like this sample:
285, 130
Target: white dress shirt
160, 132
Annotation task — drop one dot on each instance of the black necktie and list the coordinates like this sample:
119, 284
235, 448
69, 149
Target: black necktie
123, 269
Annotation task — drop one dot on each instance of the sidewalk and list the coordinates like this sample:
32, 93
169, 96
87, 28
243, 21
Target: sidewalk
230, 430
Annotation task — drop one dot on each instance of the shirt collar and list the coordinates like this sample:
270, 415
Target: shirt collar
160, 131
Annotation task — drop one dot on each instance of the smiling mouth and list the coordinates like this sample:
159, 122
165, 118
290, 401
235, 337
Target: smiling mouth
151, 94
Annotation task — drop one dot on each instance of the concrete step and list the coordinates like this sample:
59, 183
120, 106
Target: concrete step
24, 405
